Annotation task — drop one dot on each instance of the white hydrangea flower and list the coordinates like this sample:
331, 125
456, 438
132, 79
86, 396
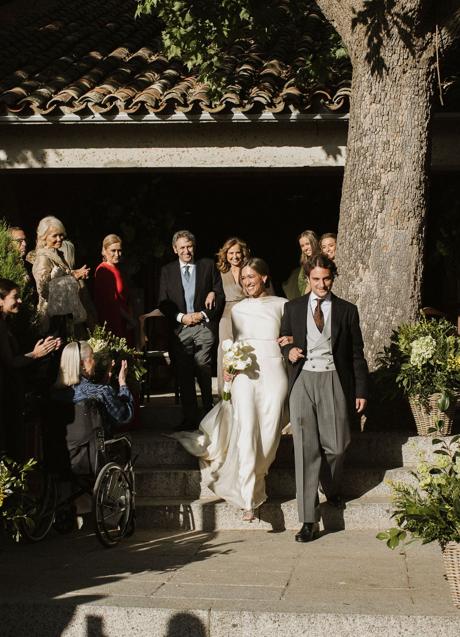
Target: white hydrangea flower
422, 350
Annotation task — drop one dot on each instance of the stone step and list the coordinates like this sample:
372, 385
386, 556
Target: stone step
380, 449
197, 617
152, 449
178, 482
212, 514
224, 584
162, 414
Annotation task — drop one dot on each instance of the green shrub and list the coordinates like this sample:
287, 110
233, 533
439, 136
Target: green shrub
429, 510
24, 324
422, 359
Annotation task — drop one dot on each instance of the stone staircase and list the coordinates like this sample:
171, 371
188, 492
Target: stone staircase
171, 493
184, 573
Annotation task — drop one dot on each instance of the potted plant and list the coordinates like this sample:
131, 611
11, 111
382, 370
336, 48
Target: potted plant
429, 509
423, 361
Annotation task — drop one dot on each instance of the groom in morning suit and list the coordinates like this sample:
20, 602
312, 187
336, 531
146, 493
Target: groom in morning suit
184, 286
328, 378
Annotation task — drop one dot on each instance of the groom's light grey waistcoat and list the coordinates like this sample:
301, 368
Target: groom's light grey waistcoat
318, 357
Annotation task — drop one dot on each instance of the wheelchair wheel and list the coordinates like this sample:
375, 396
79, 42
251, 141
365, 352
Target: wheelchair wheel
112, 504
131, 528
39, 505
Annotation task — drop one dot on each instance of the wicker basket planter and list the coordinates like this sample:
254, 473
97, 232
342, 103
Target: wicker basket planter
451, 556
426, 416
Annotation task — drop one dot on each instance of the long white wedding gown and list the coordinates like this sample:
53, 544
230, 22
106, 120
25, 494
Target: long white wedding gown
237, 440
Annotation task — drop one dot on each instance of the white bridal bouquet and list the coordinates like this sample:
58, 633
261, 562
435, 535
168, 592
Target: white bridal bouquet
236, 359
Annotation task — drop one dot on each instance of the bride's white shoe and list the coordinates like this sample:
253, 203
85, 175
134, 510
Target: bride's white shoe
248, 515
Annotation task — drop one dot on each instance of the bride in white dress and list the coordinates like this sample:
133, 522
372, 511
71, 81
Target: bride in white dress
237, 440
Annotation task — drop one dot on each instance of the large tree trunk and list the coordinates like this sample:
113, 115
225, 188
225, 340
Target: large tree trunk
384, 197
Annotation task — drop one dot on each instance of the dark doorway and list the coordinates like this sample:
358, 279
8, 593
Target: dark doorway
268, 209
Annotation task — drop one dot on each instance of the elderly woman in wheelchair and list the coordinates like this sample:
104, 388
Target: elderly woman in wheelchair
74, 380
82, 456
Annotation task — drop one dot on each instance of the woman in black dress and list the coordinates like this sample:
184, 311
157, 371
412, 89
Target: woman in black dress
11, 363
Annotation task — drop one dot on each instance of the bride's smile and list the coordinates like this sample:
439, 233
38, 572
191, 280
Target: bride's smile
253, 283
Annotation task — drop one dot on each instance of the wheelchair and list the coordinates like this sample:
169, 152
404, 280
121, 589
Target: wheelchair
80, 460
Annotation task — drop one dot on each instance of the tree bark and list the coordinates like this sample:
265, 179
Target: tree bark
384, 196
384, 200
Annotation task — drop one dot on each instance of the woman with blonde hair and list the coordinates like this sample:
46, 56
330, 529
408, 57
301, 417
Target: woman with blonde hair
230, 258
111, 292
49, 265
75, 375
328, 244
297, 284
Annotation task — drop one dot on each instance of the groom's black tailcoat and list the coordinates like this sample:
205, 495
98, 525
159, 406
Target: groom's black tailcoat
347, 344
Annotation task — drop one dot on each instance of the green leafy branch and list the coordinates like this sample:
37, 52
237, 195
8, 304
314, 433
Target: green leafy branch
429, 510
209, 38
13, 483
432, 368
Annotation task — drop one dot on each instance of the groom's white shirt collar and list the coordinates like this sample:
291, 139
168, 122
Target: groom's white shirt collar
325, 305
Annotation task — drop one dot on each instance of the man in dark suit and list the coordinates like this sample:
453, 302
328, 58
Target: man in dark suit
327, 385
184, 287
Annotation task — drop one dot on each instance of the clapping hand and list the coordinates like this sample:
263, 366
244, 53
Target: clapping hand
108, 376
123, 373
81, 273
46, 346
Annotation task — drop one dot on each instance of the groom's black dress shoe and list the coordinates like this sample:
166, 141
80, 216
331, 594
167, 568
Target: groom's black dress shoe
307, 533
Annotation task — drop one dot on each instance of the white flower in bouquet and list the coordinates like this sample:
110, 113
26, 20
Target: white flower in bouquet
227, 344
235, 359
422, 350
98, 345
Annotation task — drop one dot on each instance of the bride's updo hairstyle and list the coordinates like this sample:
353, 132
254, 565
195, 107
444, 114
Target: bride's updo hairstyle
260, 266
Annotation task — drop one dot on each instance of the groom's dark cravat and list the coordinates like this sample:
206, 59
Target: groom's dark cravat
318, 315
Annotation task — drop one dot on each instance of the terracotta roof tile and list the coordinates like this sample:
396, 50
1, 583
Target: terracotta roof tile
94, 57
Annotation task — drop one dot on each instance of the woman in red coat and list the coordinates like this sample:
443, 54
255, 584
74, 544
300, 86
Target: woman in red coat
111, 293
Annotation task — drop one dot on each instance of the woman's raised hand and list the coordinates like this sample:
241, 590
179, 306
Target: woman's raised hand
81, 273
45, 346
123, 373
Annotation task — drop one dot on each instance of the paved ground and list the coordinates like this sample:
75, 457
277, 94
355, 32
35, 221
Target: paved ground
345, 574
222, 584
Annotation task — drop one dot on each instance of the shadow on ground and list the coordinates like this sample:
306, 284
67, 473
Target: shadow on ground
61, 574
